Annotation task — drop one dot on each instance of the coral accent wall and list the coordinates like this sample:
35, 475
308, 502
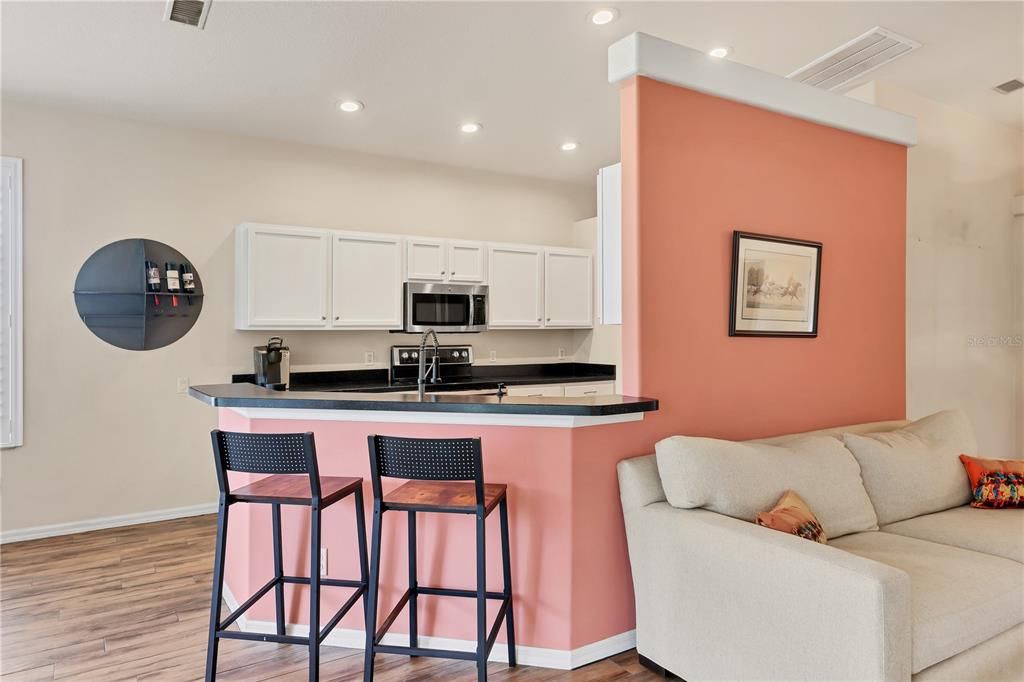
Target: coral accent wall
697, 167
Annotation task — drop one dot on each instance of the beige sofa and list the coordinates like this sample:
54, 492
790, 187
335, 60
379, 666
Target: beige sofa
914, 584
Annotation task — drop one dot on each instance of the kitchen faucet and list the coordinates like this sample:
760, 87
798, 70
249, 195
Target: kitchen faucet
435, 367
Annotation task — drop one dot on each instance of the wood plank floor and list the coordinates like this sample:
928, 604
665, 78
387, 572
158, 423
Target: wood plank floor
132, 604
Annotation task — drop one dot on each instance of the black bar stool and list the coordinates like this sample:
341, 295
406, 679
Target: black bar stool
283, 456
437, 469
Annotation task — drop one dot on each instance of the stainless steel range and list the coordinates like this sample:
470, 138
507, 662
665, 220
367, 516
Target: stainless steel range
455, 363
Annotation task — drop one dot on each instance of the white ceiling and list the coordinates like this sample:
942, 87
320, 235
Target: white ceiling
533, 73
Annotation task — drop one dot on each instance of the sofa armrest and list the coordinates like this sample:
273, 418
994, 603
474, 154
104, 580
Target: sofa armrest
719, 598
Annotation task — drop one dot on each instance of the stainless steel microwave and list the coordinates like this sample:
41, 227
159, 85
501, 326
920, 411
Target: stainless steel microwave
445, 307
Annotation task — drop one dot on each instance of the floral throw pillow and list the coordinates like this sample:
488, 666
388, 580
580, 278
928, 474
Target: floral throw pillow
999, 490
792, 515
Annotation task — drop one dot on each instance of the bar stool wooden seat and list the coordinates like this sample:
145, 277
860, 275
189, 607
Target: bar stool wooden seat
446, 476
289, 460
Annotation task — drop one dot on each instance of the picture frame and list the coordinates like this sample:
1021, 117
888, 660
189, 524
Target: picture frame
776, 286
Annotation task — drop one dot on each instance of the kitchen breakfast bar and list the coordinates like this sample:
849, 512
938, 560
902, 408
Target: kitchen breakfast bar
557, 455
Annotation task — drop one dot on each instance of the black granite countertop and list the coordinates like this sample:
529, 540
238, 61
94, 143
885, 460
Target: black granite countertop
481, 377
250, 395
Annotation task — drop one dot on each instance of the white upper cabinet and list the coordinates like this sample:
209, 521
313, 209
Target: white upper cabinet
568, 288
516, 281
445, 260
467, 262
282, 277
367, 281
304, 278
426, 259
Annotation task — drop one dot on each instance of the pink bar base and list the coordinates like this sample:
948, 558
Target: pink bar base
571, 580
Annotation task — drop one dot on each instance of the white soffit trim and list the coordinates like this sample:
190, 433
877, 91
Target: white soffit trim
639, 54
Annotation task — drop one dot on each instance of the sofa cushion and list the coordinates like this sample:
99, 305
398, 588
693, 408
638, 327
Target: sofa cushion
741, 479
915, 470
958, 598
992, 531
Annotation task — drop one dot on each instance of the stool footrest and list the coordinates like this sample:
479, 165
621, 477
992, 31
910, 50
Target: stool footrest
262, 637
420, 651
222, 631
447, 592
506, 601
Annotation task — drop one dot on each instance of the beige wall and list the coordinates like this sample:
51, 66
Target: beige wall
105, 431
603, 343
963, 273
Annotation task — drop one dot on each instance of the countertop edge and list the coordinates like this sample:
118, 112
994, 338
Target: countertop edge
579, 407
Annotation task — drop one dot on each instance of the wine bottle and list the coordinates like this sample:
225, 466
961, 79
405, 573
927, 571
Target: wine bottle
173, 282
152, 276
188, 279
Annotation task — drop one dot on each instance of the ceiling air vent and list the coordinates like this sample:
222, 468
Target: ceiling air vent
191, 12
864, 53
1009, 86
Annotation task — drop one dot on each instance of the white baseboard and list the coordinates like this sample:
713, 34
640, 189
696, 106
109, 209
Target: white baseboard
36, 532
538, 657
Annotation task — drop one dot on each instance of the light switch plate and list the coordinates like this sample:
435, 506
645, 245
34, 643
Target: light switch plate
493, 355
182, 385
561, 354
368, 357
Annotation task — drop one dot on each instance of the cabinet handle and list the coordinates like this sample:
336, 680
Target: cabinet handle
323, 317
589, 392
453, 273
337, 317
538, 319
442, 272
549, 319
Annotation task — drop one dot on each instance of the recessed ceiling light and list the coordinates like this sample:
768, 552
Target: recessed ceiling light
569, 146
471, 127
605, 15
350, 106
719, 52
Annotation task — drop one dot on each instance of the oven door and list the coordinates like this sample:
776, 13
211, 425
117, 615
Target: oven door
444, 307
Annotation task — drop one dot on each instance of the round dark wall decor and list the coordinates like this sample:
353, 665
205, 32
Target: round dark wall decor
138, 294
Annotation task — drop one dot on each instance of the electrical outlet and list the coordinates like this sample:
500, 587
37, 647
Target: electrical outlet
493, 355
368, 357
323, 561
182, 384
561, 354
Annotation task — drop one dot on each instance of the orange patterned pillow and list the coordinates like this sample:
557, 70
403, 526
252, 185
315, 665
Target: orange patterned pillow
977, 467
792, 515
998, 489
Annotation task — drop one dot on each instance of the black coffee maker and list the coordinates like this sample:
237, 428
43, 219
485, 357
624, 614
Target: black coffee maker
271, 364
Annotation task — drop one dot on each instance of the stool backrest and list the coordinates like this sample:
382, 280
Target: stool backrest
265, 453
426, 459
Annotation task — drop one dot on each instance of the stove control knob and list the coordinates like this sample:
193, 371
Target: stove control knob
465, 353
405, 355
415, 355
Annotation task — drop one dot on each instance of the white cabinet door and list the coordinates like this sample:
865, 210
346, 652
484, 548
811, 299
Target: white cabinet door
568, 288
283, 277
426, 259
578, 390
516, 278
540, 391
367, 281
466, 262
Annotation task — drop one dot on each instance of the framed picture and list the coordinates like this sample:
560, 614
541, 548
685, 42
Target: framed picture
775, 286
